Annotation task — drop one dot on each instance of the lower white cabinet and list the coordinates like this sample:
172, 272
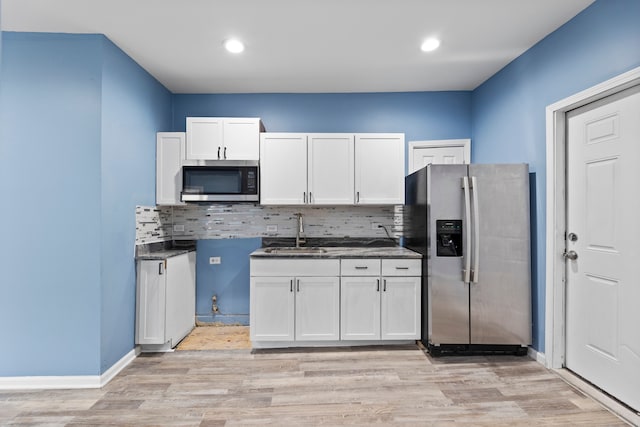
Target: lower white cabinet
380, 299
294, 299
165, 308
365, 299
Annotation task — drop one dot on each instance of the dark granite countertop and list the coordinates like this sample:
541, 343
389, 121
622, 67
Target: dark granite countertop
163, 250
334, 248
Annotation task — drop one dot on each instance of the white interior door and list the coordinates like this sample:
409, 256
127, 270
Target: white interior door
603, 292
445, 152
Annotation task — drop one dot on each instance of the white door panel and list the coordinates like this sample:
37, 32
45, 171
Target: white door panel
603, 339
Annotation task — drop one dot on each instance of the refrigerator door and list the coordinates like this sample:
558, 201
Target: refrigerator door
500, 290
448, 295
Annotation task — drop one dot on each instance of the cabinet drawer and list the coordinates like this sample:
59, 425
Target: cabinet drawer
360, 267
401, 267
294, 267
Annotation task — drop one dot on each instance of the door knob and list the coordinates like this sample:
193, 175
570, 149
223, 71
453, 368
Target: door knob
573, 237
572, 255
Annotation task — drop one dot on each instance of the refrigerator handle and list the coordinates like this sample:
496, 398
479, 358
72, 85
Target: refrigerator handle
466, 273
476, 231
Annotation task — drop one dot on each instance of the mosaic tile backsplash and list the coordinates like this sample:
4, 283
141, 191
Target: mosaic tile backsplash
229, 221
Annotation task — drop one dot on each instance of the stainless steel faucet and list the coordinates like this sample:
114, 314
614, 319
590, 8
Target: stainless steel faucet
299, 230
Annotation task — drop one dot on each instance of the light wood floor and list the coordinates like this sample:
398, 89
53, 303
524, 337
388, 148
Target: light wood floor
347, 386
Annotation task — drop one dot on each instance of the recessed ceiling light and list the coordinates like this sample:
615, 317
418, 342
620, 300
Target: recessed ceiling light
233, 45
429, 45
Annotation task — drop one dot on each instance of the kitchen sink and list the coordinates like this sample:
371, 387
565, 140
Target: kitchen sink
293, 251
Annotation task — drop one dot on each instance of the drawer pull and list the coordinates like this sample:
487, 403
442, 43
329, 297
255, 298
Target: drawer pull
361, 268
402, 268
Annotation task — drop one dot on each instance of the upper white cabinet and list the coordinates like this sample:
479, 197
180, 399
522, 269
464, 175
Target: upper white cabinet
169, 158
283, 168
298, 169
223, 138
331, 169
379, 168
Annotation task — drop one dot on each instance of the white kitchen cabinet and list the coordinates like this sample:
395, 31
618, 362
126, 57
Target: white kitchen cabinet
169, 157
272, 313
380, 299
379, 168
360, 308
400, 308
223, 138
165, 309
298, 169
283, 168
294, 299
330, 175
317, 308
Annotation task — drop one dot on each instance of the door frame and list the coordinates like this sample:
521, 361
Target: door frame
555, 308
440, 143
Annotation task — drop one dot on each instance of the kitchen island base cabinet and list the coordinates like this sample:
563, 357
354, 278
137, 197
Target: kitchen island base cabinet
165, 307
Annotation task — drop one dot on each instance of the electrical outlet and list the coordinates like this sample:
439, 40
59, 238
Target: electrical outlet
215, 260
272, 228
178, 227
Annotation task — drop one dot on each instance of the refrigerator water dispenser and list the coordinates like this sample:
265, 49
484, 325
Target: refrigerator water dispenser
449, 237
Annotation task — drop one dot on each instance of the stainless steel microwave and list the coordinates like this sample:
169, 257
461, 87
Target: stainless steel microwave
221, 181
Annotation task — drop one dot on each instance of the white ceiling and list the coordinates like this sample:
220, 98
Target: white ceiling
306, 45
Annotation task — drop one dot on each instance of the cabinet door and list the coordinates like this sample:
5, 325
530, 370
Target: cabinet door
331, 169
204, 138
169, 157
241, 139
180, 297
150, 307
379, 169
317, 308
283, 169
400, 308
271, 310
360, 308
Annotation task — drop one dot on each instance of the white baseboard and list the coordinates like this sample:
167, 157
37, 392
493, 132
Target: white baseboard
537, 356
68, 381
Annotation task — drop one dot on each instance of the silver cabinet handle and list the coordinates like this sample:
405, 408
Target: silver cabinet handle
225, 152
310, 200
298, 281
402, 268
358, 267
357, 197
476, 231
384, 288
304, 197
160, 269
378, 285
571, 255
466, 276
291, 286
218, 152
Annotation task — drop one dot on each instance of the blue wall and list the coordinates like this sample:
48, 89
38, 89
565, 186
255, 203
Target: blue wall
51, 208
229, 280
77, 125
509, 108
419, 115
134, 107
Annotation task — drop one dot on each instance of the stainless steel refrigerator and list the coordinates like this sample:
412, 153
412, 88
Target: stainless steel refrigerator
471, 223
